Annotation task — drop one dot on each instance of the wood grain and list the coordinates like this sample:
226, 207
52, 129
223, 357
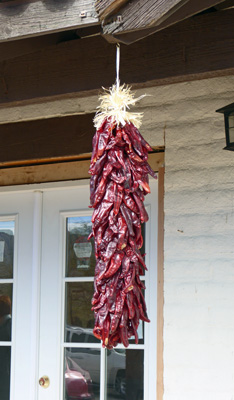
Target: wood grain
188, 10
48, 139
143, 13
105, 8
58, 171
193, 49
185, 11
140, 14
20, 20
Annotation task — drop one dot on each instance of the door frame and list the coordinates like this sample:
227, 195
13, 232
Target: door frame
38, 188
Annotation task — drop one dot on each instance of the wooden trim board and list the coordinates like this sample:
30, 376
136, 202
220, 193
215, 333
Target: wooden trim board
33, 18
75, 170
199, 48
58, 171
160, 284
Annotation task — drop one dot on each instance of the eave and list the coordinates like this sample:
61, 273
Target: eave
133, 20
118, 20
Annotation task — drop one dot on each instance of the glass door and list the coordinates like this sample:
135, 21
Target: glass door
47, 347
70, 355
16, 308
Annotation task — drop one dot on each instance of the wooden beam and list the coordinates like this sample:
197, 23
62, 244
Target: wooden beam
14, 48
198, 48
138, 15
105, 8
58, 172
185, 11
49, 140
24, 19
225, 4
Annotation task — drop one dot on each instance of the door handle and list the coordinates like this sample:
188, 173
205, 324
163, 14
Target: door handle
44, 382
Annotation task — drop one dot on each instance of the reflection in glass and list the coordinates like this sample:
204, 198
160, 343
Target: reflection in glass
5, 368
125, 374
79, 318
7, 229
80, 254
140, 331
231, 135
5, 312
81, 374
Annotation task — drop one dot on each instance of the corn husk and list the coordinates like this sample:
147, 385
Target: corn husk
115, 105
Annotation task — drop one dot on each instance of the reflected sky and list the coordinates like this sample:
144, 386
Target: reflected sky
7, 226
78, 222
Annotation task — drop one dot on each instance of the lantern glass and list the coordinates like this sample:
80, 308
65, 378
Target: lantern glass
231, 127
231, 135
228, 112
231, 120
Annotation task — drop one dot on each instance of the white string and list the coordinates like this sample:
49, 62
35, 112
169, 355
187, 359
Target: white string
117, 65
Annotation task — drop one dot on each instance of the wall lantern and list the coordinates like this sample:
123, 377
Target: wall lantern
228, 112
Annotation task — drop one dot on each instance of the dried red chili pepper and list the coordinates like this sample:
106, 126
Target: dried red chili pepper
118, 185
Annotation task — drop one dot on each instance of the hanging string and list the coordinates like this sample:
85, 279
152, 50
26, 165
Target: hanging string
115, 102
117, 65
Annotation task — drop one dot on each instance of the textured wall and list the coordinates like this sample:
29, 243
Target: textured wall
199, 240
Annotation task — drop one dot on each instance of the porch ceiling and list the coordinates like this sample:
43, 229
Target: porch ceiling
136, 19
192, 49
122, 20
22, 18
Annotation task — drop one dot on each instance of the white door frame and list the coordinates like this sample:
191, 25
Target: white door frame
37, 191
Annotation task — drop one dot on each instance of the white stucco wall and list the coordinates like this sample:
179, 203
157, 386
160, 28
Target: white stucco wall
199, 240
199, 231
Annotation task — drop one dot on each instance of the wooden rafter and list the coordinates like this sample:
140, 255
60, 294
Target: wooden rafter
140, 14
19, 20
105, 8
193, 49
146, 17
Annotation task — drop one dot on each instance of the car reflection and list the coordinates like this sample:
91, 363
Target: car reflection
89, 359
78, 384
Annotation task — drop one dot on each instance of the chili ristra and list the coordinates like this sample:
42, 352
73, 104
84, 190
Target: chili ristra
118, 185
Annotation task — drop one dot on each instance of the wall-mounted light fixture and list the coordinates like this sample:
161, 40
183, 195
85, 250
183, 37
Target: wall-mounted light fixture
228, 112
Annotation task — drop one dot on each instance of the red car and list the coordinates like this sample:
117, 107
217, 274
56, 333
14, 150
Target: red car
78, 384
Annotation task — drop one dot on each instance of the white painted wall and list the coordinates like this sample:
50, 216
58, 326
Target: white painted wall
199, 240
199, 230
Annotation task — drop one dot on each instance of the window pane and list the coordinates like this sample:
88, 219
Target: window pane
80, 254
5, 368
5, 312
231, 120
6, 249
81, 374
125, 374
231, 135
79, 318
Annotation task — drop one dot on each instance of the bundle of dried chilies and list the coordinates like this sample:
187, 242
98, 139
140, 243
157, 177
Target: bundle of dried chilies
118, 185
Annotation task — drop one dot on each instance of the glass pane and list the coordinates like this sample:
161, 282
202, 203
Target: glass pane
5, 312
5, 368
231, 135
80, 253
140, 332
82, 374
7, 229
231, 120
79, 318
125, 376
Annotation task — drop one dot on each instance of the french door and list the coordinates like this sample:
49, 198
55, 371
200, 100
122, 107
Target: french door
46, 284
